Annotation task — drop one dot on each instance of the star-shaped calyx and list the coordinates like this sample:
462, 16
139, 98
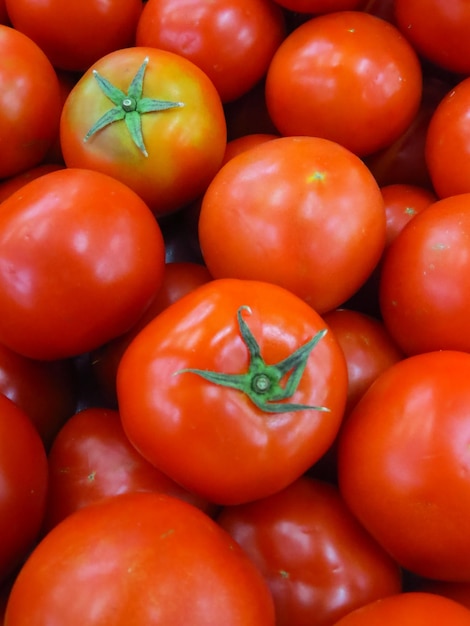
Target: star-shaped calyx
129, 106
263, 383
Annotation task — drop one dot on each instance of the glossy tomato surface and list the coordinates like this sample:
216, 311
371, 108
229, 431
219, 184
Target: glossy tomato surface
423, 298
263, 418
366, 86
403, 463
74, 35
91, 458
23, 478
167, 133
301, 212
408, 609
81, 256
232, 41
308, 545
134, 559
30, 103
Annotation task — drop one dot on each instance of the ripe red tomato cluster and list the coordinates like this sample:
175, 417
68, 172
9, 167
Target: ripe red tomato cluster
234, 295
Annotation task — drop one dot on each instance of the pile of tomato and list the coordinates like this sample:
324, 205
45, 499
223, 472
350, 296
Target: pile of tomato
234, 312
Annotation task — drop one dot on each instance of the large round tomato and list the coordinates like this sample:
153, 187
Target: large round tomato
135, 559
347, 76
91, 459
308, 545
408, 609
81, 256
234, 391
74, 35
232, 41
23, 480
30, 103
439, 33
447, 147
403, 463
302, 212
423, 295
150, 118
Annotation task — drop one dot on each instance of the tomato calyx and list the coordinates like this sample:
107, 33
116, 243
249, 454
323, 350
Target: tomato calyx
129, 106
262, 382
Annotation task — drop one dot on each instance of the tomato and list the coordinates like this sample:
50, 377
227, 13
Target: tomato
30, 103
149, 118
308, 545
232, 41
245, 142
44, 390
423, 300
141, 558
91, 458
234, 391
448, 142
81, 256
301, 212
178, 280
366, 86
402, 203
439, 34
367, 346
75, 35
9, 185
408, 609
403, 463
23, 475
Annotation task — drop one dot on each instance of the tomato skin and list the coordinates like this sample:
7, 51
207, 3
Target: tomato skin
403, 463
13, 183
63, 235
345, 51
91, 459
24, 474
232, 41
448, 142
185, 145
141, 558
30, 103
440, 34
324, 550
211, 439
179, 279
408, 609
422, 302
45, 390
301, 212
98, 28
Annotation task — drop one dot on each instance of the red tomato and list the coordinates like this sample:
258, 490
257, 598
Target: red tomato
234, 390
81, 256
402, 203
149, 118
9, 185
232, 41
366, 86
245, 142
367, 346
440, 33
308, 546
408, 609
301, 212
140, 558
447, 148
74, 35
423, 299
23, 479
44, 390
91, 458
403, 463
30, 103
178, 280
